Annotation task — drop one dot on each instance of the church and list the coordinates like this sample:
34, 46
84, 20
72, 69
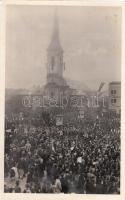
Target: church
56, 84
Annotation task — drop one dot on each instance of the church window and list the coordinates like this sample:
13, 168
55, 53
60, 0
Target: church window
52, 63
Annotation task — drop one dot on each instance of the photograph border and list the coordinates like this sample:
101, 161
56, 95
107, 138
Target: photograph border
2, 100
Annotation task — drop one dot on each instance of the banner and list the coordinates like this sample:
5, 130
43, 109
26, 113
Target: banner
59, 120
81, 114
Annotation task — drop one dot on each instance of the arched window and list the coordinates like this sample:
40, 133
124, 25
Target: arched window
52, 63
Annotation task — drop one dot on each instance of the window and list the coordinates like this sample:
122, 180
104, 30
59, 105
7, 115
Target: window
113, 91
113, 100
52, 63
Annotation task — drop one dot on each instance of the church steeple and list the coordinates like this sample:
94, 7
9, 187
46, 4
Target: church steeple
55, 65
55, 39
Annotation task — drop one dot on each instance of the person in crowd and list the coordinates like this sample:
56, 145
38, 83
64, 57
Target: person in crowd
17, 187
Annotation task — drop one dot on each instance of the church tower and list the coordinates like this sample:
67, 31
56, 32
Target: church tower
55, 84
55, 64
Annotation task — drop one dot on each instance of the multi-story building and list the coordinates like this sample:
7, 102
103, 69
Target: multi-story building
115, 96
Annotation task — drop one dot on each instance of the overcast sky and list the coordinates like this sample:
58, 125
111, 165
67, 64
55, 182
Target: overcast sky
90, 37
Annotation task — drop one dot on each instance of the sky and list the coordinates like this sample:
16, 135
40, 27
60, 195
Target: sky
90, 37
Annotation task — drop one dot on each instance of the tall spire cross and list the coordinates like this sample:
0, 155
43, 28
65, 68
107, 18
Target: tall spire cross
56, 28
55, 41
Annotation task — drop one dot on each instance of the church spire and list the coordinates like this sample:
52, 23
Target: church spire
55, 40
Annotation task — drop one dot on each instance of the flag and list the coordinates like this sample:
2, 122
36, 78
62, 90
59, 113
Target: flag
53, 148
101, 86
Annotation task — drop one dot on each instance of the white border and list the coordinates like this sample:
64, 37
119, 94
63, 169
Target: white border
2, 100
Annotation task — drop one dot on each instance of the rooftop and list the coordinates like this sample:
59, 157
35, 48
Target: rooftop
115, 83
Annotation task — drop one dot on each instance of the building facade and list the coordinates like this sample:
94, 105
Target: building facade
115, 96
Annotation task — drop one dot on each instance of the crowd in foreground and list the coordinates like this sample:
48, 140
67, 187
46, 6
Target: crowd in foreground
80, 158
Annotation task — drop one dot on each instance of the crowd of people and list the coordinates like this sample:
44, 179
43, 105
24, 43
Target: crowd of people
83, 157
